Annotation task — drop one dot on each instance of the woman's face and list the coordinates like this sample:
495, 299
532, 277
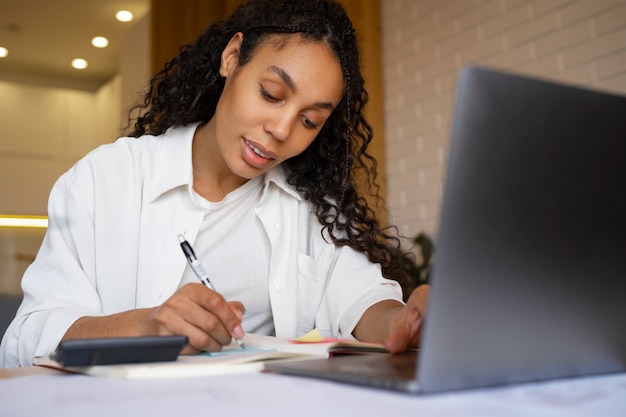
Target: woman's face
273, 107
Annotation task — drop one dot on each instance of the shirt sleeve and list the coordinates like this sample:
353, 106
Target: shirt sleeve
354, 285
59, 286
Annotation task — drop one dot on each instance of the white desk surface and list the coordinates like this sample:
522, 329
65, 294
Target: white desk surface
33, 393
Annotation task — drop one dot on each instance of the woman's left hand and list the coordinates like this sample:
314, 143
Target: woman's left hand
407, 325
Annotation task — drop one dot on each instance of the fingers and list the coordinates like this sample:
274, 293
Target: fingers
239, 310
406, 327
419, 298
202, 315
405, 330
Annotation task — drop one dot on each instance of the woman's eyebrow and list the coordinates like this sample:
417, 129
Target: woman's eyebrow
284, 76
289, 82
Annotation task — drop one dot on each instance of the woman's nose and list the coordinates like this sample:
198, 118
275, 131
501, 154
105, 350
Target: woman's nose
280, 126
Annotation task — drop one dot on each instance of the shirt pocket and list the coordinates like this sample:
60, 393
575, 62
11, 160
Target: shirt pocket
313, 274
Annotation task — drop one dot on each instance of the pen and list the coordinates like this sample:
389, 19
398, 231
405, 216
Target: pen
200, 272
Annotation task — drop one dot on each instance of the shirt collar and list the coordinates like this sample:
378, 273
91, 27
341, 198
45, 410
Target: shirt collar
278, 176
172, 166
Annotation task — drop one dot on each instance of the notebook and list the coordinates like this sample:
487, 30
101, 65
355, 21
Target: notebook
157, 357
529, 277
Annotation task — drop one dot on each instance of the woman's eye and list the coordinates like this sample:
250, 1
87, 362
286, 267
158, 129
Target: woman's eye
268, 96
308, 123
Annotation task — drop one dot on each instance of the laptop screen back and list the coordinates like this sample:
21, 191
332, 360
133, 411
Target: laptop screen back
530, 270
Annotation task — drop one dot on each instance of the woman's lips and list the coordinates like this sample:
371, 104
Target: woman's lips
260, 150
256, 155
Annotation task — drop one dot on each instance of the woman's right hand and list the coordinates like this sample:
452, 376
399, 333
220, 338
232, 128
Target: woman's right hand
195, 311
203, 315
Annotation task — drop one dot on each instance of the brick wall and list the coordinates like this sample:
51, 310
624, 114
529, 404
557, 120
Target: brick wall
426, 42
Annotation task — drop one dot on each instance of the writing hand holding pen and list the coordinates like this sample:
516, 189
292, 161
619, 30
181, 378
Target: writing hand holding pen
200, 272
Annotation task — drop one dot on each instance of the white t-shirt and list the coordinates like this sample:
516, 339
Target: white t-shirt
233, 248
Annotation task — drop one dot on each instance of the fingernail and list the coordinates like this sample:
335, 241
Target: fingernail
238, 332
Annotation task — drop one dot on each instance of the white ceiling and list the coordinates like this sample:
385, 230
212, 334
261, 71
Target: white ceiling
43, 36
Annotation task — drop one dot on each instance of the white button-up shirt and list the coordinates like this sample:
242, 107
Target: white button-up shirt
111, 246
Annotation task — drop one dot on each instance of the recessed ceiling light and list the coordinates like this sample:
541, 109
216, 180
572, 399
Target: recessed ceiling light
100, 42
79, 63
124, 16
3, 52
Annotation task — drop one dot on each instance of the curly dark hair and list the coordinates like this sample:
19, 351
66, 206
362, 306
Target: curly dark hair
189, 86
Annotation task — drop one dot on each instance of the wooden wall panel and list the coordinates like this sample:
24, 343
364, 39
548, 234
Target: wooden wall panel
366, 18
176, 23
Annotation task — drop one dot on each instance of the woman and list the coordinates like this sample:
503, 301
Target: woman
247, 143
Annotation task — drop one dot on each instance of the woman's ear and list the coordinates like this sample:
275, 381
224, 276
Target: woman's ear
230, 55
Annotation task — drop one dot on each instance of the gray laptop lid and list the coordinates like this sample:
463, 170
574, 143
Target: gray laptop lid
529, 280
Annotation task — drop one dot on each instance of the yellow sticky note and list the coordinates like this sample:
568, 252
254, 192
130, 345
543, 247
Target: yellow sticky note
311, 337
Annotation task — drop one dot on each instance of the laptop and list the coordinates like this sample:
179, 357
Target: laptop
529, 280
